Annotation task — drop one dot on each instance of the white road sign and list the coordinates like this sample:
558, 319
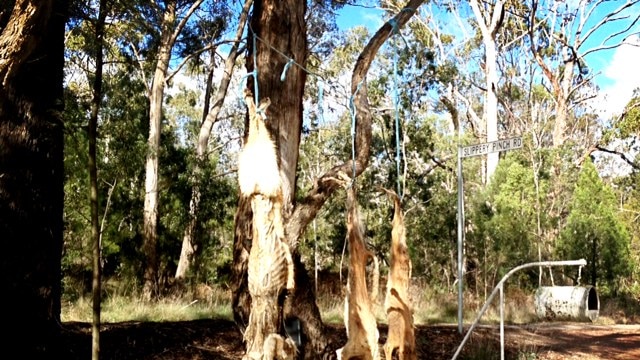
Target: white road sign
491, 147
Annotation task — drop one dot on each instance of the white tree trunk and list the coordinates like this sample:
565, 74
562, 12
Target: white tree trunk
490, 23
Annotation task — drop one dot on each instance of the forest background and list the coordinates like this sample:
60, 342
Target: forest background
547, 201
170, 123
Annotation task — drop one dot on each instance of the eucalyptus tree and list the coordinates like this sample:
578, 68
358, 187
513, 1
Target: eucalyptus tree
31, 173
191, 241
561, 38
169, 27
490, 19
166, 24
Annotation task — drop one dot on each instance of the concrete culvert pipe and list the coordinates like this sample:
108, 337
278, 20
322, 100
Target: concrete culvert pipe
567, 303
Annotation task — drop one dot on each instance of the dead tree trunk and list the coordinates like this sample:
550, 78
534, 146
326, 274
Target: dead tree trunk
362, 329
399, 314
270, 268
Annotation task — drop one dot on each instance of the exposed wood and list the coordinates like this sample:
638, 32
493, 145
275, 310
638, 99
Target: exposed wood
401, 336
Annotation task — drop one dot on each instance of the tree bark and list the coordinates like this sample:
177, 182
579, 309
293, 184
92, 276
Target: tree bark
270, 266
270, 20
156, 95
31, 176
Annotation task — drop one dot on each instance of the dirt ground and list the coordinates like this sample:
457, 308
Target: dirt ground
220, 339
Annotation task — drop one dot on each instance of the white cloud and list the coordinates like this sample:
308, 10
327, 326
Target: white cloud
622, 77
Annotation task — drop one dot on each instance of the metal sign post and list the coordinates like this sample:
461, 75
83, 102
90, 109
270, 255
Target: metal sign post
463, 152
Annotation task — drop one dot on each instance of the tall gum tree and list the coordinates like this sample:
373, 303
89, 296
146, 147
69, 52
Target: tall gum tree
171, 27
490, 19
31, 174
279, 28
189, 241
561, 37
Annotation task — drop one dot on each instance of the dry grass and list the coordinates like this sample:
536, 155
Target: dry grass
429, 307
189, 306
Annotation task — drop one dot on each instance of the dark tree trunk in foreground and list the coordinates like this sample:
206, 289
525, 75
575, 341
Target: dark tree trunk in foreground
31, 176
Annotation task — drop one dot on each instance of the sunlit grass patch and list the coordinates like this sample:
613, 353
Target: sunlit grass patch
119, 308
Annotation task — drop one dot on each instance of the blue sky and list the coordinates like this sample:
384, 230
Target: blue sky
617, 70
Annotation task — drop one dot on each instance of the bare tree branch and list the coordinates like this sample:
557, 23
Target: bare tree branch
325, 186
615, 152
612, 46
194, 54
608, 18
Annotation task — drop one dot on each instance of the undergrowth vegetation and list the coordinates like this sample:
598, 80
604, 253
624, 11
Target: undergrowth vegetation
204, 301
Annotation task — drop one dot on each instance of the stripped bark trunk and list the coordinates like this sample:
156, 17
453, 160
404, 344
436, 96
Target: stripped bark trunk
401, 334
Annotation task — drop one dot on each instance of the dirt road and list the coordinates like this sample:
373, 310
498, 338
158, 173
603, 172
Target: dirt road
220, 339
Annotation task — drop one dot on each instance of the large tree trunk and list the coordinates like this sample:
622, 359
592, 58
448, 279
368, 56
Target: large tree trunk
190, 240
31, 175
270, 20
270, 267
562, 104
156, 95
